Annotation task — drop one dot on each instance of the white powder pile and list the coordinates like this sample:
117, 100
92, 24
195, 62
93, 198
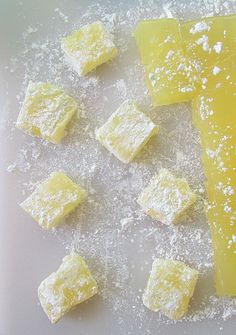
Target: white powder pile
110, 231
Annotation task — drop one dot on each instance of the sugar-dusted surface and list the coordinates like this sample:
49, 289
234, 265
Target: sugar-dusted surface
126, 131
170, 77
170, 287
53, 200
89, 47
166, 198
116, 239
46, 112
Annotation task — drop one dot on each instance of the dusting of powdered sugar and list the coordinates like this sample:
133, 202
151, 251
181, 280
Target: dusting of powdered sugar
110, 231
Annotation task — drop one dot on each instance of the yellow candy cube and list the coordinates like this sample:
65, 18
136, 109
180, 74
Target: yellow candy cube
89, 47
170, 286
126, 131
166, 198
53, 200
46, 112
70, 285
170, 76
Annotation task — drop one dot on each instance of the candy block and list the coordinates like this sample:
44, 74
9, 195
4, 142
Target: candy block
221, 217
170, 76
222, 73
46, 112
89, 47
69, 286
206, 39
126, 131
53, 200
217, 128
170, 287
214, 116
166, 198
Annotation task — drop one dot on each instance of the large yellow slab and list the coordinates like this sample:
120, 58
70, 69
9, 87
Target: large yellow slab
180, 57
214, 115
206, 40
170, 76
69, 286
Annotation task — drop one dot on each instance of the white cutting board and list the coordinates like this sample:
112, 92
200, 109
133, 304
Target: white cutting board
119, 259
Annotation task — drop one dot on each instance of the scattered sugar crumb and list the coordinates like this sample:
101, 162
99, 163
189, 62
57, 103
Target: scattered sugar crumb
216, 70
199, 27
218, 47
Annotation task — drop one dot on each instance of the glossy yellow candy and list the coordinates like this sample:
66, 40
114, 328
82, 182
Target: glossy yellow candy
180, 57
214, 115
46, 112
209, 46
208, 40
89, 47
166, 198
126, 131
69, 286
170, 286
53, 200
170, 76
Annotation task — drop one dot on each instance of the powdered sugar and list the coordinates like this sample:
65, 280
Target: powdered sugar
199, 27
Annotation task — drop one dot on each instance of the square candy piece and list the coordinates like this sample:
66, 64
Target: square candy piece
89, 47
70, 285
46, 112
170, 286
53, 200
166, 198
126, 131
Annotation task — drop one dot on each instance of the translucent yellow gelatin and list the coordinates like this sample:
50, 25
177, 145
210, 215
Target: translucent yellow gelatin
166, 198
89, 47
205, 41
224, 243
126, 131
53, 200
170, 76
222, 74
170, 287
69, 286
216, 127
214, 115
46, 112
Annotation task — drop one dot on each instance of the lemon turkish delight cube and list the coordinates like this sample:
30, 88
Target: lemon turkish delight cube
126, 131
46, 112
69, 286
53, 200
166, 198
170, 286
89, 47
170, 76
